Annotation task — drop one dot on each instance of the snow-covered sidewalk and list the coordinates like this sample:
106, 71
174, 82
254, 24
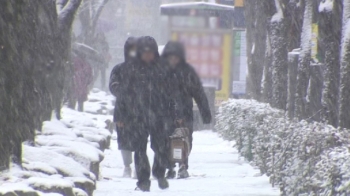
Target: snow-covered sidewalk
66, 160
215, 168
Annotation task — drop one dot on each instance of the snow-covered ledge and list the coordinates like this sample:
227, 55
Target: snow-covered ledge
67, 153
302, 158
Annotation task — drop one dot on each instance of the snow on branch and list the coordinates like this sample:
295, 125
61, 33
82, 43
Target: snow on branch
66, 10
278, 16
326, 6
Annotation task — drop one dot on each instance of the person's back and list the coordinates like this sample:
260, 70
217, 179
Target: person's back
187, 86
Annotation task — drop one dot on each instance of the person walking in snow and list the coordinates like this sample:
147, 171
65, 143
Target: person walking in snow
190, 87
102, 47
83, 77
144, 110
118, 88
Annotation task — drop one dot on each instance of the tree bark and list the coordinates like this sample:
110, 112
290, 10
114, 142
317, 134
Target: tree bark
315, 92
267, 82
257, 28
279, 57
331, 41
66, 10
304, 63
26, 72
344, 99
293, 60
269, 9
250, 7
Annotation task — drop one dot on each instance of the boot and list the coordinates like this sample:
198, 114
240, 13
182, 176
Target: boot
127, 172
171, 174
163, 183
143, 186
183, 173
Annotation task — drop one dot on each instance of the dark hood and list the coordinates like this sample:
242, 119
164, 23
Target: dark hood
147, 43
130, 42
174, 48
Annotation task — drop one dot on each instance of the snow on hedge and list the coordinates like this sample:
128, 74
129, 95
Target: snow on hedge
302, 158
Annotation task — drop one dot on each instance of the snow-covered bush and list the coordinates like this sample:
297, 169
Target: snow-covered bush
302, 158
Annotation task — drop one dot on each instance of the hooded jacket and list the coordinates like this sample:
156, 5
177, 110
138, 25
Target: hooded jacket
148, 84
189, 84
116, 78
144, 89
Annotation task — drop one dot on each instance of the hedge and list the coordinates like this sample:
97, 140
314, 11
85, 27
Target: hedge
302, 158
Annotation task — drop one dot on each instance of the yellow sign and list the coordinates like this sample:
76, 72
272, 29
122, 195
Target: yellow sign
227, 48
239, 3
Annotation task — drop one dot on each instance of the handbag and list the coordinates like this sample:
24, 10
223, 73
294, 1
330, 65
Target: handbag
179, 145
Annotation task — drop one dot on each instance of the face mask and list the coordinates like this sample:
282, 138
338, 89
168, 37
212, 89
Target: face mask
132, 53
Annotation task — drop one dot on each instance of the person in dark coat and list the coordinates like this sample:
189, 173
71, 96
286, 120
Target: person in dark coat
116, 80
190, 87
144, 110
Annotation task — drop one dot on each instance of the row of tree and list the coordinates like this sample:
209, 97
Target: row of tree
281, 70
35, 66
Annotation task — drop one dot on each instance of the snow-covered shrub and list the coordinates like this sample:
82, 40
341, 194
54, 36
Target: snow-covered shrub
302, 158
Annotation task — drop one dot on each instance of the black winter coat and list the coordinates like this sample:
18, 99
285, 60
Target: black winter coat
189, 85
116, 85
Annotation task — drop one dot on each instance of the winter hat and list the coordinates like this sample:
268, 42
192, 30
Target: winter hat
147, 43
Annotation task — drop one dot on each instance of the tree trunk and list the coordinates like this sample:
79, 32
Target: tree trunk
293, 60
26, 72
279, 57
267, 82
269, 8
344, 99
294, 15
257, 27
250, 6
66, 12
315, 92
331, 39
304, 63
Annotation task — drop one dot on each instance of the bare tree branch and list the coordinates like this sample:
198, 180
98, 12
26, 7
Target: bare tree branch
98, 13
66, 10
60, 5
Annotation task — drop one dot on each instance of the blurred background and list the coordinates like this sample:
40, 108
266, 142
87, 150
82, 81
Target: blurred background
213, 32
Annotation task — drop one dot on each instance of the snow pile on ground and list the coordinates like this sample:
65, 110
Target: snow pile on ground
302, 158
67, 154
99, 102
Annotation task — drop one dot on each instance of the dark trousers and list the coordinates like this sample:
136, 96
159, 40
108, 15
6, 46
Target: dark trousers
142, 165
159, 144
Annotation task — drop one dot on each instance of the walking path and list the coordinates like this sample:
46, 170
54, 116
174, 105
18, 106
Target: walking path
215, 168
